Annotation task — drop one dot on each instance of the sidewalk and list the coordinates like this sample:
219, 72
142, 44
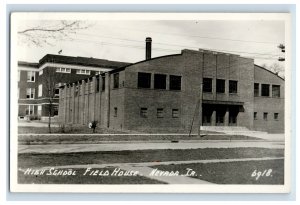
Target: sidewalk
71, 148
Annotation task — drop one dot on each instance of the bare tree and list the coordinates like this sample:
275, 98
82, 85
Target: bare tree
48, 32
277, 69
50, 82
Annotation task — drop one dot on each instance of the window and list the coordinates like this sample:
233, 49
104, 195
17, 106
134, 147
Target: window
40, 90
63, 70
29, 110
103, 83
256, 89
265, 90
83, 72
143, 112
276, 116
207, 85
233, 86
116, 80
265, 116
275, 91
30, 93
98, 72
144, 80
39, 110
220, 86
160, 81
175, 113
56, 94
41, 72
175, 82
115, 112
159, 113
97, 84
255, 115
30, 76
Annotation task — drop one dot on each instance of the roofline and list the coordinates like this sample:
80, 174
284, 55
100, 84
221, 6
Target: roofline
123, 68
269, 71
30, 64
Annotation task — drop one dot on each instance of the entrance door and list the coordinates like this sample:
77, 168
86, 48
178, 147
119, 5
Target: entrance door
233, 112
220, 114
206, 115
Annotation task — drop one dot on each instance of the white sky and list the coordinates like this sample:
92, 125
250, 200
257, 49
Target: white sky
125, 40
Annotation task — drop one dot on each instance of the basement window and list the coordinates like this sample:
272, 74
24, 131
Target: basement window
160, 81
233, 86
265, 116
116, 80
220, 86
276, 116
175, 82
275, 91
115, 112
144, 80
175, 113
255, 115
160, 113
144, 112
207, 85
265, 90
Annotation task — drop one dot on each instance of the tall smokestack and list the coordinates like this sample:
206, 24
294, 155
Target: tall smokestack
148, 48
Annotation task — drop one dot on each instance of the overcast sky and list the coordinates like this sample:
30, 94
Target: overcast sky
125, 40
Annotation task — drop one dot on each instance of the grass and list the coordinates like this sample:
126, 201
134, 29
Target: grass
94, 139
233, 172
79, 178
41, 160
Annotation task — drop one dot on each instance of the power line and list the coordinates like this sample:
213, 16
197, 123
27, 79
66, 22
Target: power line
256, 55
204, 37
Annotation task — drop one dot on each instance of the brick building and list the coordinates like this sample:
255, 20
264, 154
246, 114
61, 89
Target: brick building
172, 92
36, 79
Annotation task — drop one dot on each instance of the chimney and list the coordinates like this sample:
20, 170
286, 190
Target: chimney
148, 48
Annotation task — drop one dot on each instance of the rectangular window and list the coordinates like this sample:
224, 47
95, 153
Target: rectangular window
143, 112
97, 84
220, 86
116, 80
256, 89
276, 116
255, 115
233, 86
30, 76
30, 93
265, 116
115, 112
265, 90
83, 72
39, 110
175, 82
29, 110
98, 72
103, 83
56, 92
160, 81
207, 85
275, 91
160, 113
144, 80
175, 113
63, 70
40, 90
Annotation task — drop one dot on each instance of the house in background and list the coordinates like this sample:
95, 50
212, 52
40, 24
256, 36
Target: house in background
170, 93
33, 98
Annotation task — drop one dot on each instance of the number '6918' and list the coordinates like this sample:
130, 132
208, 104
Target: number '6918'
265, 173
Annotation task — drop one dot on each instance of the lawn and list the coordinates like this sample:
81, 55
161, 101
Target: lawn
41, 160
80, 178
233, 172
94, 139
